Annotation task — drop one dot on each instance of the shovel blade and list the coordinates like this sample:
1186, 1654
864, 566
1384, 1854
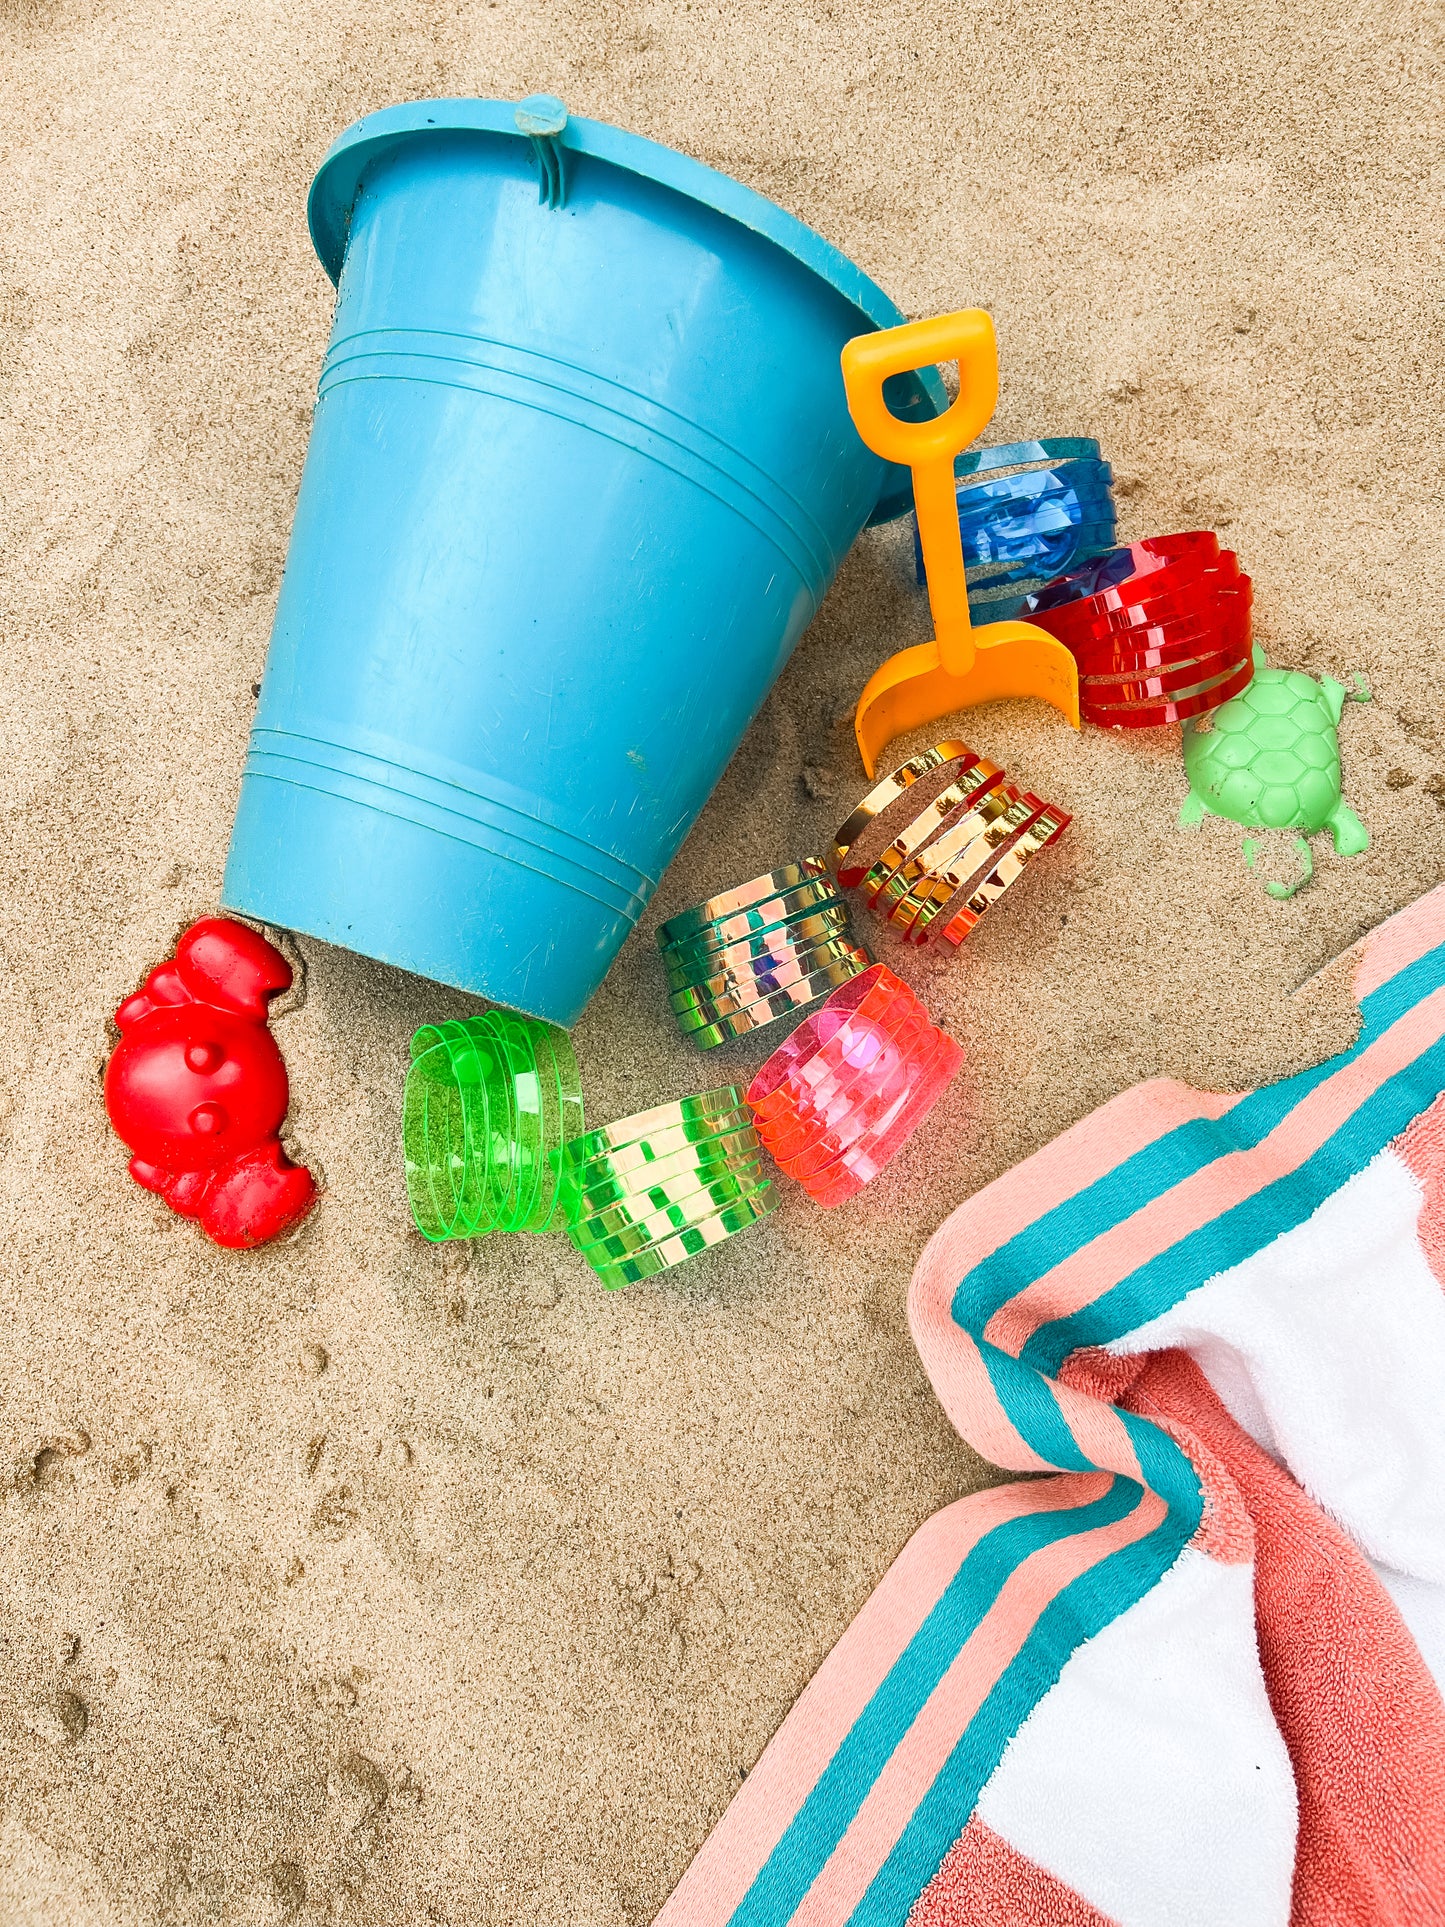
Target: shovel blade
913, 688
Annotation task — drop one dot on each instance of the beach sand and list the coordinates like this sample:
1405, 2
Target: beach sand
357, 1580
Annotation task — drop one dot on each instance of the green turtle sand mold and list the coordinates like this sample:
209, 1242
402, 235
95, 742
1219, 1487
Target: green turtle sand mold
1269, 759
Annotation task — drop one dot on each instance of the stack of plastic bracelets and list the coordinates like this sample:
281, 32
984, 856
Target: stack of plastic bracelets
753, 954
966, 836
1044, 508
851, 1085
1160, 630
648, 1192
489, 1103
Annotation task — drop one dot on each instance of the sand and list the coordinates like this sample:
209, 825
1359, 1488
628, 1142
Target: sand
355, 1580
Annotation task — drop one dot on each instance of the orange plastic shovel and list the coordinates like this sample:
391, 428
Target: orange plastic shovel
962, 665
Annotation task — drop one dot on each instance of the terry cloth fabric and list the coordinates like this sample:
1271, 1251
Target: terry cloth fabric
1189, 1678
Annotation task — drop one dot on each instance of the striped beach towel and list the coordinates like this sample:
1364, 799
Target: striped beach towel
1189, 1676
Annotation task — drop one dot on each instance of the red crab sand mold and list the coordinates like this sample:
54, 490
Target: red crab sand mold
197, 1088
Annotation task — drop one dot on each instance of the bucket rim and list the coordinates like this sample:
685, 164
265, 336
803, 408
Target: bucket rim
333, 191
338, 180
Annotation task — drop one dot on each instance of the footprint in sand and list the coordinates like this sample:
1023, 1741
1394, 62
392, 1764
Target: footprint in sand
335, 1514
60, 1720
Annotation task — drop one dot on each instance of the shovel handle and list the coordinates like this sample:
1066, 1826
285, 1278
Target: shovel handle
929, 448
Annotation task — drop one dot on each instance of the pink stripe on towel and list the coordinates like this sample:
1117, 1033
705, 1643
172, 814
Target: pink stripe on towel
1400, 941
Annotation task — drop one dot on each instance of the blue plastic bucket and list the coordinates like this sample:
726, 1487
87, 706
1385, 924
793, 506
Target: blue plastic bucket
580, 474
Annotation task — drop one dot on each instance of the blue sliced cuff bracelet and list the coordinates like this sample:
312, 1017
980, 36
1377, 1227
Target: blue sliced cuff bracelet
1021, 530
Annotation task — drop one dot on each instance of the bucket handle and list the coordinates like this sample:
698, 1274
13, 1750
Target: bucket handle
543, 119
